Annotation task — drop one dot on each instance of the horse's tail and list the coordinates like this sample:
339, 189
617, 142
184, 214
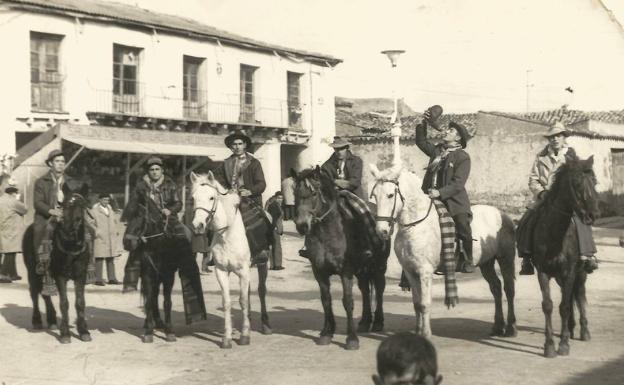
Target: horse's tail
30, 259
507, 245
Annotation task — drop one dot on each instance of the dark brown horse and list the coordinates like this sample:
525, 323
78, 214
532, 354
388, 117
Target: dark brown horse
163, 251
556, 248
69, 259
335, 248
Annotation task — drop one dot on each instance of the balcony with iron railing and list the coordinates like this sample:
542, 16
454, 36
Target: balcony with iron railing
134, 100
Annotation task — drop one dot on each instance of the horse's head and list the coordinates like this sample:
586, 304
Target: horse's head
388, 198
575, 184
314, 197
208, 213
74, 211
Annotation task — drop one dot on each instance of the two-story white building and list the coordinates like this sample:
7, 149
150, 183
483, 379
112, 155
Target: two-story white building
113, 77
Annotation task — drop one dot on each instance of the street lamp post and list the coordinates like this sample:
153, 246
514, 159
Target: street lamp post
395, 120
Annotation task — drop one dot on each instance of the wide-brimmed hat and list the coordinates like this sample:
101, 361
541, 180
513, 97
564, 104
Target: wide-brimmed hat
556, 129
463, 133
340, 142
434, 114
53, 154
238, 134
154, 160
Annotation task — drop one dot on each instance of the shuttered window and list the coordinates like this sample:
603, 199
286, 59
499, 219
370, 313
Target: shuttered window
46, 79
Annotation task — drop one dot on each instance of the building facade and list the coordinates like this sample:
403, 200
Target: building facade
88, 63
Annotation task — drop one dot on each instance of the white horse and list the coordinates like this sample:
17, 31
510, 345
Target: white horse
216, 209
417, 245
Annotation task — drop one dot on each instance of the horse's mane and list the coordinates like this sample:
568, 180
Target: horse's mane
409, 185
327, 182
230, 199
575, 169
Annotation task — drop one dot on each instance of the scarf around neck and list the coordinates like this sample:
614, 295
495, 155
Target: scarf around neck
435, 164
154, 187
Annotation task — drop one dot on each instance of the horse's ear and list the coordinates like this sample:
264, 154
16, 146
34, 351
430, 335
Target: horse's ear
590, 161
374, 170
211, 177
292, 173
193, 177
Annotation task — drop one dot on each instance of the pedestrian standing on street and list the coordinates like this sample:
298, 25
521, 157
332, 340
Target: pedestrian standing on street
11, 231
106, 246
288, 191
274, 208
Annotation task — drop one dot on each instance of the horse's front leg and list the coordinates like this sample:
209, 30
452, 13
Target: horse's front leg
581, 303
61, 284
547, 308
224, 283
564, 311
363, 281
329, 326
262, 290
50, 313
416, 288
426, 279
34, 289
509, 285
167, 289
81, 323
380, 287
244, 304
347, 301
149, 286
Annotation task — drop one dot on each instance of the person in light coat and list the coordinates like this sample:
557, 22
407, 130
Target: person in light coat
11, 231
106, 245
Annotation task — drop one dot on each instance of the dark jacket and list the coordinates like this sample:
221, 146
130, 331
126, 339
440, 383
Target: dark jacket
253, 176
455, 170
45, 197
352, 172
169, 195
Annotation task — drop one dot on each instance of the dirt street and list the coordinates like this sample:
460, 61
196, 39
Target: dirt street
467, 355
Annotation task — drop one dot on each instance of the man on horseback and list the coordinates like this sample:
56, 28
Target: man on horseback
447, 173
242, 172
161, 190
541, 177
49, 192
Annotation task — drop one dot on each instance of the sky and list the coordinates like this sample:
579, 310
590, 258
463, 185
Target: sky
465, 55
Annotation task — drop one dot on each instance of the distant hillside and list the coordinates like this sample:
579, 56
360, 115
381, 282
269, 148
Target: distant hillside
364, 105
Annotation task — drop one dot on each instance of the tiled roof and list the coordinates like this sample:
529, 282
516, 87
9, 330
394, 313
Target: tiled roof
567, 116
129, 15
375, 127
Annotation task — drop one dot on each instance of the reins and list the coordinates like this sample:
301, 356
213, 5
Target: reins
391, 219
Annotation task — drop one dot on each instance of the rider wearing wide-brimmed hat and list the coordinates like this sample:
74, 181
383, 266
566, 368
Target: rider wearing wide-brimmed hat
242, 172
547, 162
447, 173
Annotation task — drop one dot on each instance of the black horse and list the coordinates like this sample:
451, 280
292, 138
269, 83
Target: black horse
334, 245
556, 248
163, 249
69, 259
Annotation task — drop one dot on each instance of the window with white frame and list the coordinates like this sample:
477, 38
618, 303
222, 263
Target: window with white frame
247, 97
294, 99
126, 87
194, 94
46, 79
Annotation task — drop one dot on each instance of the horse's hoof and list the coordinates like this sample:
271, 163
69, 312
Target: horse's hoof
266, 330
52, 327
65, 339
497, 331
148, 338
511, 331
353, 344
585, 335
363, 327
170, 337
226, 343
549, 351
324, 340
244, 340
85, 337
564, 349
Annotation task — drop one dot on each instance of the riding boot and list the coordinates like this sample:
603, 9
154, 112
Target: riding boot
468, 265
590, 263
527, 267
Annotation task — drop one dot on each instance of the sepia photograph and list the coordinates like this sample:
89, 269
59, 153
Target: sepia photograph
268, 192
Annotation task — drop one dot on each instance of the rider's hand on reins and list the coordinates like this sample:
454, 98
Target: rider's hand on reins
434, 194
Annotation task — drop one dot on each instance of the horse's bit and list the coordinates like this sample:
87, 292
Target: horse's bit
321, 201
212, 211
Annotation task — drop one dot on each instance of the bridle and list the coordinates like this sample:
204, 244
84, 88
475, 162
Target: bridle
74, 231
392, 219
320, 202
212, 211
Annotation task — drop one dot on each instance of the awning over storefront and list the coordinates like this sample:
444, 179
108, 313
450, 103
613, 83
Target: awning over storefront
131, 140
